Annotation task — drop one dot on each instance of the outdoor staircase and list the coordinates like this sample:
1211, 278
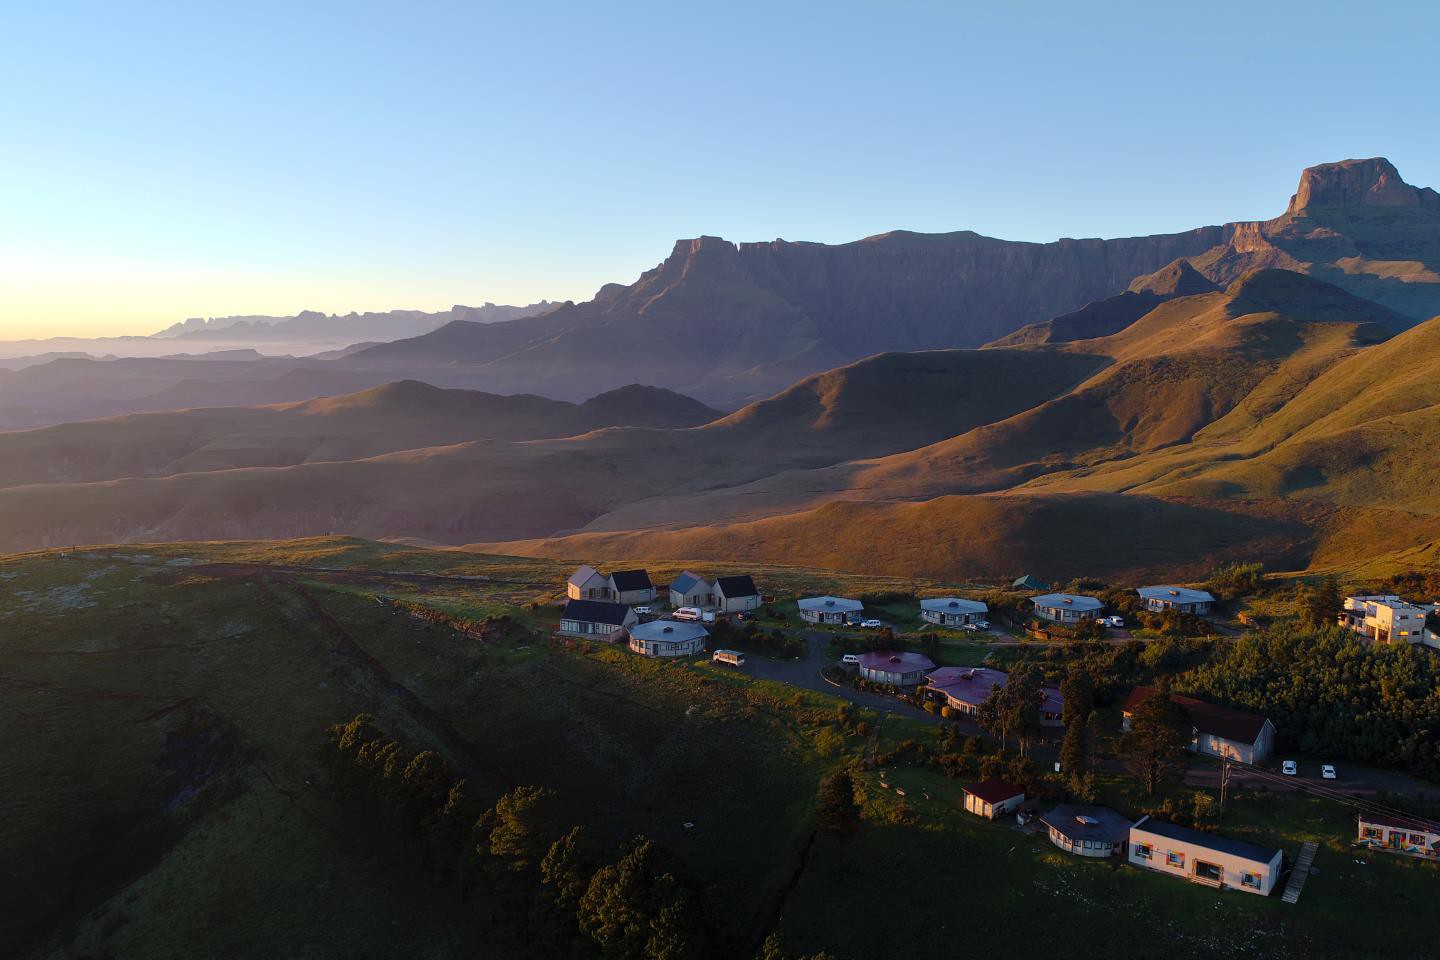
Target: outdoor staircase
1301, 872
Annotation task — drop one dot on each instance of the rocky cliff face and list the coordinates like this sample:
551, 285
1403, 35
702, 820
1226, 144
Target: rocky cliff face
729, 322
1355, 224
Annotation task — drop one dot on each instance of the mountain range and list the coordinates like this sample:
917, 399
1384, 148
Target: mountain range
951, 406
308, 333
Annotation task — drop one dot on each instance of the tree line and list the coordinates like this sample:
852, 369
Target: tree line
559, 892
562, 897
1330, 693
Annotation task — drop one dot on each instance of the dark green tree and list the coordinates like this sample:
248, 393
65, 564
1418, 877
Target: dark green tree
630, 907
1153, 749
836, 812
1320, 603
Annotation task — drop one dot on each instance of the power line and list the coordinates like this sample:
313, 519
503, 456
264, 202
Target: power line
1361, 804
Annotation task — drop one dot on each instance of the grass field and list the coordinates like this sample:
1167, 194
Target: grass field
164, 707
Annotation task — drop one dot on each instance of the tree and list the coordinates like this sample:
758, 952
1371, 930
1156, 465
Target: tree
1082, 786
1153, 749
1320, 603
519, 827
635, 908
516, 834
446, 836
836, 811
1202, 806
566, 869
1094, 737
1078, 692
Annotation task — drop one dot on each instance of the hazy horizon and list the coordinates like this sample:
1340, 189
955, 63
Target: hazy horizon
201, 163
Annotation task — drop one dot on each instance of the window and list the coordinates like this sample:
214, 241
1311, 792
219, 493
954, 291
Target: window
1418, 839
1174, 858
1373, 833
1251, 880
1208, 871
1144, 851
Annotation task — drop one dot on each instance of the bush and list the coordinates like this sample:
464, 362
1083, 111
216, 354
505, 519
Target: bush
882, 598
1236, 580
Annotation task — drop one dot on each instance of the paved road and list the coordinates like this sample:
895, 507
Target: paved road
805, 673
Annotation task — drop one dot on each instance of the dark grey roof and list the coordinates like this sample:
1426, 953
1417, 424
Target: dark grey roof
595, 611
627, 580
1210, 841
733, 587
1103, 823
1067, 601
953, 605
671, 631
683, 582
1175, 594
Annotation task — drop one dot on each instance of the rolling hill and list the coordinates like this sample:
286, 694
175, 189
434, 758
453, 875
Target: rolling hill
491, 489
397, 416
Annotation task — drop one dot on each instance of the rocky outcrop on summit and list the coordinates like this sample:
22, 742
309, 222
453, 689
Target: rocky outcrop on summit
1355, 224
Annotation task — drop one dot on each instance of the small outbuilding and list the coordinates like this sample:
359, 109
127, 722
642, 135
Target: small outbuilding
1413, 836
1178, 599
596, 619
1206, 858
896, 669
828, 609
587, 583
632, 586
1029, 582
1066, 607
952, 611
993, 798
736, 594
1088, 831
668, 638
691, 590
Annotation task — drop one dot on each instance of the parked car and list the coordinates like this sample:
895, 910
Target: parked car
1328, 771
687, 613
871, 624
1112, 621
850, 658
1289, 768
642, 610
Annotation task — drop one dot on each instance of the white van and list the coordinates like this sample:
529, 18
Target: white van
687, 613
733, 658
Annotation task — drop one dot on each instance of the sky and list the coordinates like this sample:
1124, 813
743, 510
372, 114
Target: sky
163, 161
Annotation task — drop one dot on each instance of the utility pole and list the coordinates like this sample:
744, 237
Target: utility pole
1224, 784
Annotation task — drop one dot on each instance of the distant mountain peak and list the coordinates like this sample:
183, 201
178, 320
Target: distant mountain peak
1348, 183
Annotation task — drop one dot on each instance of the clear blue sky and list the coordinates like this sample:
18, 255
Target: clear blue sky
159, 160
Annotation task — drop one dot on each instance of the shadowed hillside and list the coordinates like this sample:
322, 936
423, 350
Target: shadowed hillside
1169, 375
489, 490
970, 537
397, 416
